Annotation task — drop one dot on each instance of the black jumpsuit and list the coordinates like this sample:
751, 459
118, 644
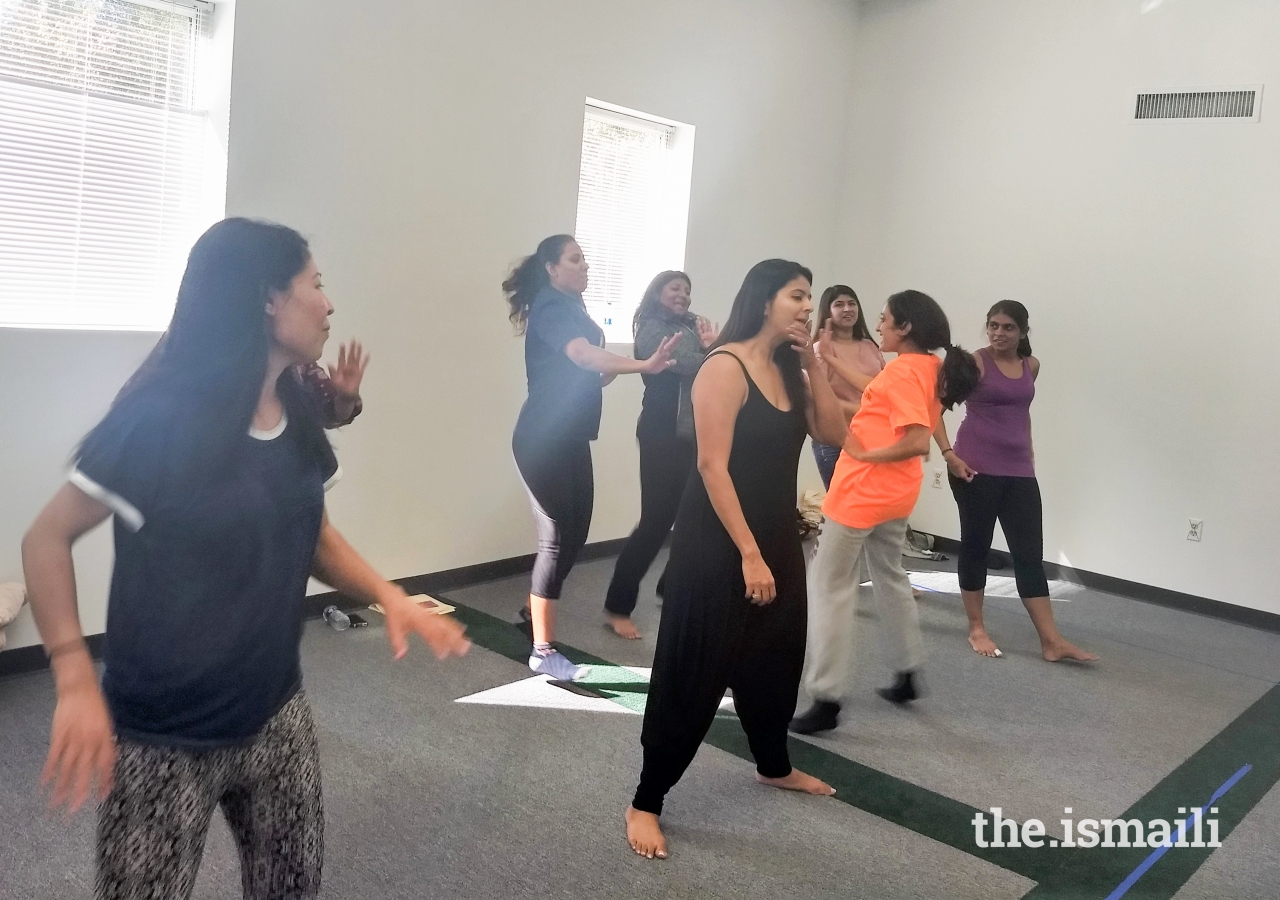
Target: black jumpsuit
712, 637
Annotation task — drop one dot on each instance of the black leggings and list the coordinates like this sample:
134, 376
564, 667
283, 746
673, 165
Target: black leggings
665, 464
561, 487
1016, 503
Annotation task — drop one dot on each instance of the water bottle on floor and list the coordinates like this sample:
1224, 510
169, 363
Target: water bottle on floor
336, 618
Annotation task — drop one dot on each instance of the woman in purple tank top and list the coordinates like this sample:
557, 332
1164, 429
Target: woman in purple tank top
993, 477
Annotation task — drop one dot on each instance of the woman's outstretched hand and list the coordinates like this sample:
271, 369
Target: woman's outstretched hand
349, 372
443, 635
82, 746
661, 359
708, 332
761, 589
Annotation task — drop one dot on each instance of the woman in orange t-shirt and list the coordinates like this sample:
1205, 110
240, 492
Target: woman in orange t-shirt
874, 488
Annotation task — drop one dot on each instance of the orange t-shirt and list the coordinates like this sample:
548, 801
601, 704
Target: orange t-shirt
862, 494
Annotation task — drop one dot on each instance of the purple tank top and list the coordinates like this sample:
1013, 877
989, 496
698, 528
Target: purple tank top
995, 436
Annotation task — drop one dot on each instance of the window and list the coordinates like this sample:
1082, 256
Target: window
108, 167
633, 208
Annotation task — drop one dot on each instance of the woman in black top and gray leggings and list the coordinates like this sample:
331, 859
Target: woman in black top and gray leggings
567, 366
665, 433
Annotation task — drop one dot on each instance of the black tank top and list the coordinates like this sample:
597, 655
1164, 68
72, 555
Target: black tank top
763, 464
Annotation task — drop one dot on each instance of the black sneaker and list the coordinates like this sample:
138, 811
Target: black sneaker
822, 716
903, 690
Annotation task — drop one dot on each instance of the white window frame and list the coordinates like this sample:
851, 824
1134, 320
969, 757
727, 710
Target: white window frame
211, 91
668, 227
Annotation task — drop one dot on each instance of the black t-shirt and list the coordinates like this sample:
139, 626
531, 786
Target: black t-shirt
205, 612
564, 400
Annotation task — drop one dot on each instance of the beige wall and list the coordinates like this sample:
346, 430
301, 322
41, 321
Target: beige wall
992, 155
424, 146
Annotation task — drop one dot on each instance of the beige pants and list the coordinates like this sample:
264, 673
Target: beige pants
833, 604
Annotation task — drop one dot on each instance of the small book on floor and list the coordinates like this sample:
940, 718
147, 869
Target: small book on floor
439, 607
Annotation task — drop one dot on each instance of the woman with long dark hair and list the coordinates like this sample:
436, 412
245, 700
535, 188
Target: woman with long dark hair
875, 487
852, 358
567, 366
734, 608
993, 477
214, 465
664, 432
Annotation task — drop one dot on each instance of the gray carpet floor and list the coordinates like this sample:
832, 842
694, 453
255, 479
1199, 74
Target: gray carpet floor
426, 797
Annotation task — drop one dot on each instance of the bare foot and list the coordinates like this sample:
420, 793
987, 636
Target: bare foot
798, 781
623, 627
1064, 649
982, 644
644, 834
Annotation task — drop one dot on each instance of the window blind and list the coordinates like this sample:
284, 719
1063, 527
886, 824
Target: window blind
620, 197
104, 159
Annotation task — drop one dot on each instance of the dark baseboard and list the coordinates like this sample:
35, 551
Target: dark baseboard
464, 576
1146, 593
32, 659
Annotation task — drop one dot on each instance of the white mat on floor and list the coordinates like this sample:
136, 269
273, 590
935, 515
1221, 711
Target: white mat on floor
997, 585
538, 692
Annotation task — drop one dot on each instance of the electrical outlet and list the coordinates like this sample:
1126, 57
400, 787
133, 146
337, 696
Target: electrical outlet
937, 478
1195, 529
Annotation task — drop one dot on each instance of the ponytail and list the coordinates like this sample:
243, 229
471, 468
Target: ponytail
530, 276
930, 330
958, 377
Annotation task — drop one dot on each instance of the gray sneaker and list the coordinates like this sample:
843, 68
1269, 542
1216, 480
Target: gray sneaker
557, 665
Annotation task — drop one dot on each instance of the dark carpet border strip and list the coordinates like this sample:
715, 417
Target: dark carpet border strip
32, 659
1146, 593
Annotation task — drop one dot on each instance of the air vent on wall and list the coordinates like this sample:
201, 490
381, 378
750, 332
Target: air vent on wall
1239, 103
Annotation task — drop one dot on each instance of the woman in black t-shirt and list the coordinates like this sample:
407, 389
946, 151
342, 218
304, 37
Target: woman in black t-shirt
665, 434
214, 464
567, 366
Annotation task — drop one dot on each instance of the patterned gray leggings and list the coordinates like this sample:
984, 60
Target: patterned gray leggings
152, 827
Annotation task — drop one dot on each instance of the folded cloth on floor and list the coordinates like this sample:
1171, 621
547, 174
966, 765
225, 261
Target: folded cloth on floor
13, 596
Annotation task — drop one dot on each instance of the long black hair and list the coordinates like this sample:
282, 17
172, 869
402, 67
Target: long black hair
930, 330
651, 302
1016, 311
530, 276
860, 330
203, 380
761, 285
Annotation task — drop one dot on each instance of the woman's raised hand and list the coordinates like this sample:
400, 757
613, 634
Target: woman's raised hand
661, 359
82, 747
802, 342
708, 332
761, 589
349, 372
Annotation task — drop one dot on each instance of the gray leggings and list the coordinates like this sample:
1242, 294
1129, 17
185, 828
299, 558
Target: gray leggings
152, 826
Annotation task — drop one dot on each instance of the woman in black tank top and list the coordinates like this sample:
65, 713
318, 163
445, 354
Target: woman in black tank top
734, 610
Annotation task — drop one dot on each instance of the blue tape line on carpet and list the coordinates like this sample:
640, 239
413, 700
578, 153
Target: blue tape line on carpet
1182, 830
